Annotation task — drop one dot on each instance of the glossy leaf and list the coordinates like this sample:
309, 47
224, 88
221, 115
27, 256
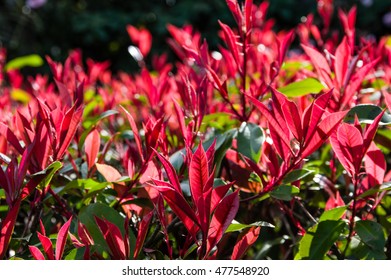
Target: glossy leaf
250, 138
296, 175
91, 147
318, 240
367, 113
302, 87
285, 192
238, 227
245, 240
224, 214
372, 235
62, 238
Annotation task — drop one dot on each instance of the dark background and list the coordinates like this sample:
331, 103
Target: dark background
98, 26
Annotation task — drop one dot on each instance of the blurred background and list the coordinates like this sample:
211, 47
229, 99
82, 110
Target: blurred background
98, 27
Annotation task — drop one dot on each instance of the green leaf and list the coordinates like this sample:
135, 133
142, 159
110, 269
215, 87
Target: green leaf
32, 60
381, 188
301, 88
372, 235
49, 173
296, 175
284, 192
318, 239
76, 254
333, 214
237, 226
366, 113
249, 139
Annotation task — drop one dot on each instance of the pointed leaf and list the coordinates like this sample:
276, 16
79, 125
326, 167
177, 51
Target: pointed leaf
341, 62
7, 228
70, 123
91, 147
113, 238
323, 131
375, 165
245, 240
296, 175
285, 192
224, 214
302, 87
317, 241
142, 233
37, 254
293, 119
320, 64
62, 239
170, 172
47, 246
136, 133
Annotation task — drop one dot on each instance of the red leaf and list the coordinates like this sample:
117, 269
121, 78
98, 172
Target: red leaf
371, 131
323, 131
170, 171
320, 64
140, 37
218, 194
7, 227
248, 12
68, 129
198, 173
356, 81
375, 165
11, 138
136, 134
224, 214
91, 147
245, 240
272, 121
62, 239
180, 207
293, 119
142, 233
283, 47
351, 143
230, 40
47, 246
341, 62
113, 237
37, 254
236, 12
313, 114
108, 172
84, 235
338, 151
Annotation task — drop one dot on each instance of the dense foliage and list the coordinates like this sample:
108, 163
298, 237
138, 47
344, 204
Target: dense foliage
257, 150
53, 27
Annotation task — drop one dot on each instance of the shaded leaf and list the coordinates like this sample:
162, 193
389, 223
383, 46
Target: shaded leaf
284, 192
296, 175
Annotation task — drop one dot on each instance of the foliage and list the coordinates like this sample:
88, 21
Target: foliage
256, 151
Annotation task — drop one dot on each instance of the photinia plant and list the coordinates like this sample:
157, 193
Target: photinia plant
272, 145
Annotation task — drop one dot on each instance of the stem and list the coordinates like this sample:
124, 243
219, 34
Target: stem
244, 74
353, 215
